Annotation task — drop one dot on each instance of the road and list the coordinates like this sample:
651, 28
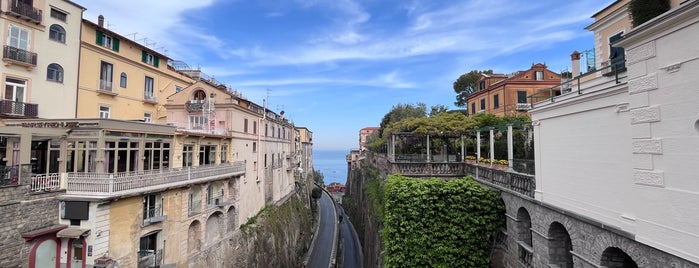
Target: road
322, 249
350, 242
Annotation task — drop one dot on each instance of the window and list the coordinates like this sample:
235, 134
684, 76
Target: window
122, 80
473, 108
207, 154
19, 38
224, 153
107, 41
539, 75
187, 153
266, 130
521, 96
15, 91
148, 89
147, 117
254, 147
106, 70
197, 122
496, 101
156, 155
57, 33
245, 125
59, 15
152, 206
616, 54
178, 89
81, 156
54, 73
254, 127
481, 85
149, 59
482, 104
105, 111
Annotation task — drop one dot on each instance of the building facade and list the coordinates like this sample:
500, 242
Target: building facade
364, 133
41, 46
509, 94
123, 79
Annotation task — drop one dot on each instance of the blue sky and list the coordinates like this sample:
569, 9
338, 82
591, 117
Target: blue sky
336, 66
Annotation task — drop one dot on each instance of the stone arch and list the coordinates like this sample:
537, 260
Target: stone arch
524, 225
560, 246
232, 215
213, 227
614, 257
194, 237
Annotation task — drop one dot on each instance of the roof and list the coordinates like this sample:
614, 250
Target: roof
607, 7
121, 37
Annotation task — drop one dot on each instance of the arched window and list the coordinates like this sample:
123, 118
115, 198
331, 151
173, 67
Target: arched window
57, 33
122, 81
560, 246
199, 95
614, 257
54, 73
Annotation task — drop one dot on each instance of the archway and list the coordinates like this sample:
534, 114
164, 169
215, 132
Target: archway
213, 227
560, 246
614, 257
232, 216
194, 237
524, 237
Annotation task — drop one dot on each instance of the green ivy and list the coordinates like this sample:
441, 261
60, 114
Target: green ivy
438, 223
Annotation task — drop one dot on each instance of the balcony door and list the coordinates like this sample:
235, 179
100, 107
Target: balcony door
15, 91
19, 38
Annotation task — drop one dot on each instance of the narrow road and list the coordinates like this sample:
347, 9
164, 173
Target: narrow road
350, 242
320, 257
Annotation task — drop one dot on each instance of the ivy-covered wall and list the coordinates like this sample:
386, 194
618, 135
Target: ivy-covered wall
438, 223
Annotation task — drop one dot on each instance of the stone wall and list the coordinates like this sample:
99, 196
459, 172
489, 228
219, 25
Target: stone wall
21, 212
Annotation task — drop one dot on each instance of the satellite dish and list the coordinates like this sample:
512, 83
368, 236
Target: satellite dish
281, 113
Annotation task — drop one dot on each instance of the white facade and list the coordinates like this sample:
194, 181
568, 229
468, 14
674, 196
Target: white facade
624, 153
41, 48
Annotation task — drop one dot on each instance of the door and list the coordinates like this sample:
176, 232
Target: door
45, 255
76, 261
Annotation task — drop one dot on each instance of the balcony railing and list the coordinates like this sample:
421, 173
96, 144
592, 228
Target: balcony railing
46, 182
423, 169
14, 108
194, 105
119, 184
153, 215
25, 11
520, 183
194, 207
106, 86
150, 98
523, 106
9, 176
525, 254
150, 258
19, 55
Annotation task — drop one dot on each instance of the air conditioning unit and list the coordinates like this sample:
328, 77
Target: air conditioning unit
523, 106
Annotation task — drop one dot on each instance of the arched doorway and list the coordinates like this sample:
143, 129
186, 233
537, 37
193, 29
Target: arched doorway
44, 254
614, 257
524, 236
232, 216
213, 227
194, 237
560, 246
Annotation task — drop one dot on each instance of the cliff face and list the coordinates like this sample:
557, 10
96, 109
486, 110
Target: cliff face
364, 206
279, 236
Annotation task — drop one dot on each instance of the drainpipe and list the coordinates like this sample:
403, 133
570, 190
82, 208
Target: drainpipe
492, 146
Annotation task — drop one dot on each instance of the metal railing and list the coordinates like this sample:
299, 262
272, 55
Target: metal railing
194, 207
106, 86
19, 55
8, 107
150, 98
525, 255
152, 212
29, 12
46, 182
9, 176
115, 184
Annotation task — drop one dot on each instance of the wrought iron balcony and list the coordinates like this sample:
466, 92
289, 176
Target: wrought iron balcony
18, 109
127, 183
25, 11
18, 55
150, 98
194, 105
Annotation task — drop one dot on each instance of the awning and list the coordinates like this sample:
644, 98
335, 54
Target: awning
43, 231
73, 232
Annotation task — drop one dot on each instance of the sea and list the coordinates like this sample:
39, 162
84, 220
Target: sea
332, 163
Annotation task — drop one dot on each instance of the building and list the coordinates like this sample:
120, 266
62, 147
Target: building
509, 94
41, 46
364, 133
306, 137
123, 79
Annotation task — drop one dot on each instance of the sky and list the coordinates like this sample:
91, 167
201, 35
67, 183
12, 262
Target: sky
336, 66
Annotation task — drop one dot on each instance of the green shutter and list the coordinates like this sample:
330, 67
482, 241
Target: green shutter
156, 60
100, 35
115, 43
144, 56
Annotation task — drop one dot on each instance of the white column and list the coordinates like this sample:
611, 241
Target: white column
463, 150
478, 146
428, 148
492, 146
510, 149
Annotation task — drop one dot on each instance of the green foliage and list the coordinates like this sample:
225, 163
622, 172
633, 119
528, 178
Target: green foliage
645, 10
400, 112
375, 192
443, 123
316, 192
438, 109
318, 177
438, 223
466, 85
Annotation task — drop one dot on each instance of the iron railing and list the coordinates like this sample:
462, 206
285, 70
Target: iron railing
106, 86
23, 10
19, 55
9, 175
116, 184
46, 182
15, 108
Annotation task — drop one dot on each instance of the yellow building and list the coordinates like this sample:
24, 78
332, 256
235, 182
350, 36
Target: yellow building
122, 79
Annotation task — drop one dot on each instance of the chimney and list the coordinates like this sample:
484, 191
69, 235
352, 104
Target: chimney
575, 58
100, 21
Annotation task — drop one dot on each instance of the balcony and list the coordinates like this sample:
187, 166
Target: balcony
150, 258
106, 87
194, 105
150, 99
154, 215
523, 106
510, 181
18, 109
24, 11
106, 185
19, 56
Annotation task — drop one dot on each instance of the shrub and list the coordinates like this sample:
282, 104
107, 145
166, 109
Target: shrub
645, 10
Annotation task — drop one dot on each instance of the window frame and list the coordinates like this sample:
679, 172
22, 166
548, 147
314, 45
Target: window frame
59, 14
54, 74
539, 75
57, 33
18, 42
106, 76
107, 112
496, 101
519, 97
148, 88
483, 104
147, 117
123, 80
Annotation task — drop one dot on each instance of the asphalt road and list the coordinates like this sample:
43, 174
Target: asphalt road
320, 257
350, 242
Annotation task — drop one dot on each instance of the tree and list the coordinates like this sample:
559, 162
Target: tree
400, 112
318, 177
645, 10
438, 109
466, 85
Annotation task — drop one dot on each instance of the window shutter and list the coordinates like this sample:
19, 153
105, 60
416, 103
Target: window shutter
115, 44
144, 56
100, 35
156, 61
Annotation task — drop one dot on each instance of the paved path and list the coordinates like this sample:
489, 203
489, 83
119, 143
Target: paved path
350, 242
320, 257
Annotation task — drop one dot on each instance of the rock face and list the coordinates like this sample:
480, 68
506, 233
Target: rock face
364, 206
279, 236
